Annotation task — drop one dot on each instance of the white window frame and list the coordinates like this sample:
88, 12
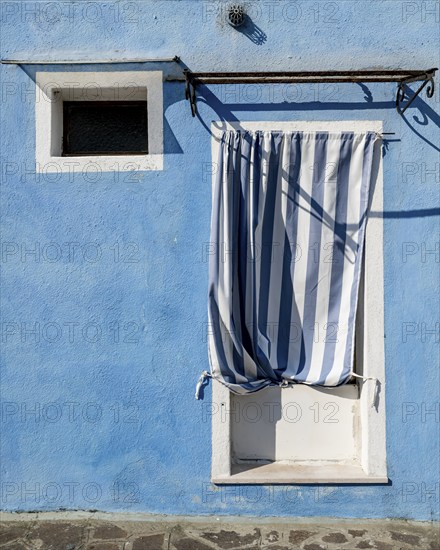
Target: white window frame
54, 87
370, 356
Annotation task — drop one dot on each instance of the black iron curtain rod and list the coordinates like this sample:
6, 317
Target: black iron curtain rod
400, 76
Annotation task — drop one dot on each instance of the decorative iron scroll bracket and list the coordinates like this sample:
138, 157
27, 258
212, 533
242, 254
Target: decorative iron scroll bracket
427, 81
403, 78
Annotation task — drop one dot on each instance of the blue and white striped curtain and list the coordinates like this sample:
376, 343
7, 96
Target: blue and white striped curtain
287, 233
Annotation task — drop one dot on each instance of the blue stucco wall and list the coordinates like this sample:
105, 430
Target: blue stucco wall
116, 426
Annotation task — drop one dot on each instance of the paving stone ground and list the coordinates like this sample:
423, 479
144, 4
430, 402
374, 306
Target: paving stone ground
31, 532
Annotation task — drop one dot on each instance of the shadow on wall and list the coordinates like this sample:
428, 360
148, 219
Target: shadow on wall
252, 31
425, 116
224, 111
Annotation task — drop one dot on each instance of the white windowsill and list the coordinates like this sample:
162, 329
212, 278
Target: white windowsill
305, 473
100, 163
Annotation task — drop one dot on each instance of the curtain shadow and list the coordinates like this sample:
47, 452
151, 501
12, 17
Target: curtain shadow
254, 442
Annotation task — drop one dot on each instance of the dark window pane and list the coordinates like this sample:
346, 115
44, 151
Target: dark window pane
105, 127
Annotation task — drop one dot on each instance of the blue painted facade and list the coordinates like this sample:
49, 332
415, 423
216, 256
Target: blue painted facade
116, 285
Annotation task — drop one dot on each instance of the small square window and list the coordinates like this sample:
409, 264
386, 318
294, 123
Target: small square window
107, 121
105, 128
